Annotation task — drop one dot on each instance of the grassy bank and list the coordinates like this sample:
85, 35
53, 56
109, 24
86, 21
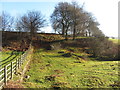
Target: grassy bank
50, 69
117, 41
8, 56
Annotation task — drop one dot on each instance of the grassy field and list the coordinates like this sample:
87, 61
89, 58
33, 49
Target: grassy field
56, 69
8, 56
117, 41
65, 69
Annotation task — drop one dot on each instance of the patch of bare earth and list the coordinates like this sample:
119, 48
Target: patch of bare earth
13, 84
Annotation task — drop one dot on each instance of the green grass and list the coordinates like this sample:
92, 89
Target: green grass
20, 72
117, 41
50, 69
83, 37
8, 56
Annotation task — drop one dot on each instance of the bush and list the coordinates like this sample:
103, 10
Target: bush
55, 46
103, 48
99, 47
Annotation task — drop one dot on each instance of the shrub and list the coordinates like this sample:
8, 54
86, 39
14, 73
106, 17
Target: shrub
99, 47
103, 48
55, 46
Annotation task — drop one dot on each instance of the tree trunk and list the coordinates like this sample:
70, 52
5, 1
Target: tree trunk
86, 34
63, 30
89, 33
74, 31
31, 34
66, 36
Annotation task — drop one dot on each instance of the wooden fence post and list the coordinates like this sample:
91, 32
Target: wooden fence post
24, 56
5, 75
11, 70
4, 72
16, 64
20, 60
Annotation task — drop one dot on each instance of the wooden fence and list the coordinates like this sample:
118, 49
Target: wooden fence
6, 72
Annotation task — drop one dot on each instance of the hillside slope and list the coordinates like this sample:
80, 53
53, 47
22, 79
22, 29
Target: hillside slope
52, 69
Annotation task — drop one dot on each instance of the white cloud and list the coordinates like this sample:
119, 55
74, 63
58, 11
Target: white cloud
47, 29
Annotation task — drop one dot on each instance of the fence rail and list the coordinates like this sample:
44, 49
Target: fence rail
6, 72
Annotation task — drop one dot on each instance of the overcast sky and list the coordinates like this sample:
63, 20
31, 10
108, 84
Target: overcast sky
105, 11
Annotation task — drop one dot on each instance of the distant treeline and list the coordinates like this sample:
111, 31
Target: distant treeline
66, 19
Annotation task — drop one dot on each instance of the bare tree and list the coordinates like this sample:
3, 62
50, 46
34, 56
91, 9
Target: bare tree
31, 22
92, 26
77, 17
6, 21
0, 23
72, 18
88, 26
60, 18
68, 17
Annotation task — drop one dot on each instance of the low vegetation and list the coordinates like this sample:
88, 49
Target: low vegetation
86, 62
64, 69
117, 41
100, 48
77, 55
8, 56
50, 37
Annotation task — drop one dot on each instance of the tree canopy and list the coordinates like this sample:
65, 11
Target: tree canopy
6, 21
70, 17
31, 22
